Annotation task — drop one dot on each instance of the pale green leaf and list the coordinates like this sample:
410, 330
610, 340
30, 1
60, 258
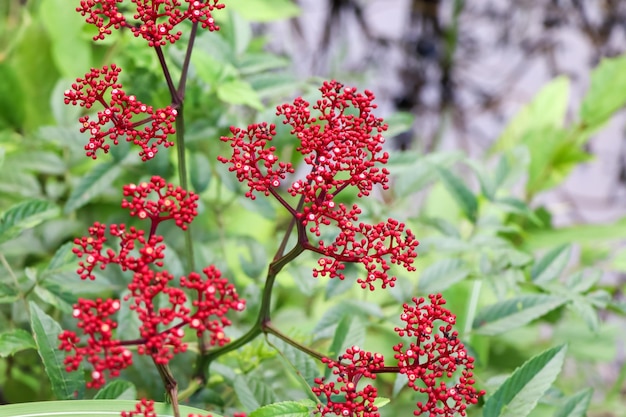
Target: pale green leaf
301, 362
253, 392
266, 11
551, 265
464, 197
92, 408
238, 92
442, 275
576, 405
606, 94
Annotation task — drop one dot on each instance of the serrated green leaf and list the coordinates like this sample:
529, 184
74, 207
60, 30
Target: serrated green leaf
93, 184
117, 390
93, 408
282, 409
510, 314
253, 392
25, 215
519, 394
15, 340
551, 265
607, 92
299, 360
576, 405
464, 197
45, 162
62, 257
442, 275
581, 282
65, 385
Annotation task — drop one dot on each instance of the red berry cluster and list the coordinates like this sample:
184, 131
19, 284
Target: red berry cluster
432, 359
343, 145
170, 202
123, 115
145, 408
162, 326
434, 355
153, 20
350, 368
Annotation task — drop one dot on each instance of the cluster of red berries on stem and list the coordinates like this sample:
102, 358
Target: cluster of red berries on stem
343, 145
433, 356
124, 116
153, 20
150, 289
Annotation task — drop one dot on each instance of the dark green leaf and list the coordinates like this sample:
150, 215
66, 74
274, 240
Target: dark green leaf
25, 215
65, 385
576, 405
462, 195
117, 390
15, 340
442, 275
93, 184
519, 394
551, 265
510, 314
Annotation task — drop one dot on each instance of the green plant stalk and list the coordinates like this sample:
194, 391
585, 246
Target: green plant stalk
472, 308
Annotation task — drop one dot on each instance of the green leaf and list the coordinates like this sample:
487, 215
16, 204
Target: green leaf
299, 360
380, 402
282, 409
92, 408
350, 332
325, 327
12, 99
15, 340
547, 110
463, 196
253, 392
25, 215
253, 63
117, 390
519, 394
551, 265
65, 385
587, 313
8, 294
515, 205
442, 275
265, 11
199, 172
606, 94
506, 315
71, 54
93, 184
239, 92
576, 405
583, 234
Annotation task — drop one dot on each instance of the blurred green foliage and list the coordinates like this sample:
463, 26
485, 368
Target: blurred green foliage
521, 288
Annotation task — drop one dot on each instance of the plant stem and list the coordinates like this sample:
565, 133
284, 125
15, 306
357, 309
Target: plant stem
268, 328
170, 384
471, 309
